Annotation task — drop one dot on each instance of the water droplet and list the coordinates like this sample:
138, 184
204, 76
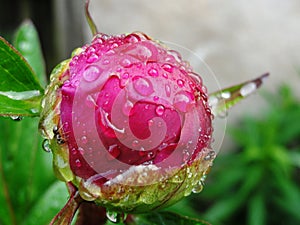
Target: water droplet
126, 63
225, 95
156, 98
180, 83
127, 108
74, 151
198, 187
132, 38
143, 86
16, 118
167, 67
150, 123
153, 72
114, 151
160, 110
115, 217
248, 89
183, 100
135, 143
91, 73
77, 163
168, 90
46, 145
186, 155
92, 58
90, 101
84, 140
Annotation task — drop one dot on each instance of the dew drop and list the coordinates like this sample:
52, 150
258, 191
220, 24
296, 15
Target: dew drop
84, 140
114, 151
150, 123
168, 90
135, 143
16, 118
153, 72
126, 63
46, 145
248, 89
74, 151
198, 187
127, 108
180, 83
160, 110
143, 86
167, 67
77, 163
115, 217
183, 100
225, 95
91, 73
156, 98
92, 58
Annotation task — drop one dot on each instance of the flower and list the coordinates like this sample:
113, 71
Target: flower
128, 123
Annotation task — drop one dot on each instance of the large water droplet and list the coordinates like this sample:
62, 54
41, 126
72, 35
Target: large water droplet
113, 216
91, 73
160, 110
143, 86
198, 187
183, 100
46, 145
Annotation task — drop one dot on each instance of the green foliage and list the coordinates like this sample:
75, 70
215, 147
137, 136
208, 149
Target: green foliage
26, 41
26, 177
20, 90
29, 192
258, 183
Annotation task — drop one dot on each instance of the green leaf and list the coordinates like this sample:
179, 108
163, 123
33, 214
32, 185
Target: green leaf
48, 205
25, 171
28, 44
224, 99
164, 218
20, 91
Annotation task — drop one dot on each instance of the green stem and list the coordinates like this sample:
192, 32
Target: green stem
65, 216
89, 19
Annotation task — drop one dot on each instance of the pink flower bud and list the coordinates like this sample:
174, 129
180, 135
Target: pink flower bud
132, 126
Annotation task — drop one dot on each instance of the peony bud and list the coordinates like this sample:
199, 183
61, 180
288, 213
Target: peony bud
128, 123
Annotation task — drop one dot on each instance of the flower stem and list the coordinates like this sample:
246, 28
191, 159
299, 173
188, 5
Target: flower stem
89, 19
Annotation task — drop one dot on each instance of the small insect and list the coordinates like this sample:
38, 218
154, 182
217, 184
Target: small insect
59, 139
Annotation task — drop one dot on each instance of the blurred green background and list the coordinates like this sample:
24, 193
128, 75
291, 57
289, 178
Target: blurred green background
255, 178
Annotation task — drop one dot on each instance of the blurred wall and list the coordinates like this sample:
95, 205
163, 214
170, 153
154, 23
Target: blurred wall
239, 40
